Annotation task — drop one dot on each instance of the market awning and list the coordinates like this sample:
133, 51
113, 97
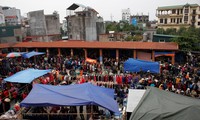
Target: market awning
71, 95
26, 76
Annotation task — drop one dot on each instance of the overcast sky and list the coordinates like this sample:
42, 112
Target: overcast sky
105, 8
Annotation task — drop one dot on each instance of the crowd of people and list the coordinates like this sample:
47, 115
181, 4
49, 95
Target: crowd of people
178, 78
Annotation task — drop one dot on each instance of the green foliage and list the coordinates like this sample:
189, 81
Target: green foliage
120, 27
188, 39
129, 38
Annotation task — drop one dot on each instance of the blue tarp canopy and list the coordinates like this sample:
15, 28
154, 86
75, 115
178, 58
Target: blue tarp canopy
135, 65
31, 54
26, 76
71, 95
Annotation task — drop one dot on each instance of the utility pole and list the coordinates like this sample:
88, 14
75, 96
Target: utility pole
111, 16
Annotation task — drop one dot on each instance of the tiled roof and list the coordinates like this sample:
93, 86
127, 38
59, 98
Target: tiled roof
6, 45
107, 45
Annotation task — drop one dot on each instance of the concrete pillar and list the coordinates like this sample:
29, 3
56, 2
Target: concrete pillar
72, 53
85, 51
173, 60
47, 51
59, 52
153, 55
134, 54
117, 55
101, 56
26, 49
36, 49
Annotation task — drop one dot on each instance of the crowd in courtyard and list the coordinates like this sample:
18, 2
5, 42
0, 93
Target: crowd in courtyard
178, 78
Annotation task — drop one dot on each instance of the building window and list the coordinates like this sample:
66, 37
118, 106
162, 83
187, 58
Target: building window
194, 12
185, 18
180, 20
186, 10
70, 36
193, 18
181, 12
161, 20
173, 11
198, 23
177, 20
161, 40
165, 21
199, 16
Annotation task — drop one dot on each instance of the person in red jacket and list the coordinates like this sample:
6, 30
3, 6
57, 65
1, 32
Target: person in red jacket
14, 95
24, 94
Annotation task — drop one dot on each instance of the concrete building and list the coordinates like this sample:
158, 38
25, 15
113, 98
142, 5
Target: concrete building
82, 23
179, 15
126, 13
10, 34
140, 18
2, 18
43, 27
12, 16
148, 34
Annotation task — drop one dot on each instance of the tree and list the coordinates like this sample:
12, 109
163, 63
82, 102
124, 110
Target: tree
188, 39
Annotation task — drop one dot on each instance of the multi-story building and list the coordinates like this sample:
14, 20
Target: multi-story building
126, 13
140, 18
43, 27
82, 24
179, 15
12, 16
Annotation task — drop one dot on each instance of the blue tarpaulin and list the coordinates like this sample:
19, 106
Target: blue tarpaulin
31, 54
26, 76
71, 95
135, 65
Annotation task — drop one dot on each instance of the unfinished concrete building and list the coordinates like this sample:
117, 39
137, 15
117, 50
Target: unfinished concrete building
83, 23
43, 27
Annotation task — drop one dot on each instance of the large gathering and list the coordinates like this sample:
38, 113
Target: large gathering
99, 60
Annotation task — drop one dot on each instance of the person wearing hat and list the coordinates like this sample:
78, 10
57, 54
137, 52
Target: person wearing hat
6, 104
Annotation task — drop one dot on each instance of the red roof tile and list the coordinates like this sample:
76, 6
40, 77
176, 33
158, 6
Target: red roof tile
6, 45
107, 45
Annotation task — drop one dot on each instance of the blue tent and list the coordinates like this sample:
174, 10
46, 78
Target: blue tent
31, 54
71, 95
135, 65
26, 76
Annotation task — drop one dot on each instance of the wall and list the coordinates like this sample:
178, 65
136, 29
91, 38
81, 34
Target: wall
75, 28
100, 28
103, 38
12, 39
37, 23
90, 26
144, 55
52, 24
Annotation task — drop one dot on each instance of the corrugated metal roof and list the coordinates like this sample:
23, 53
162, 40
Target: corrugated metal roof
99, 45
74, 6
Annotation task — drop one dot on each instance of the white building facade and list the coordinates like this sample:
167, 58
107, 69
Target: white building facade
12, 15
126, 13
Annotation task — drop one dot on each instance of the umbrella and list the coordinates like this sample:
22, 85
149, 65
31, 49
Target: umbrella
13, 54
31, 54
